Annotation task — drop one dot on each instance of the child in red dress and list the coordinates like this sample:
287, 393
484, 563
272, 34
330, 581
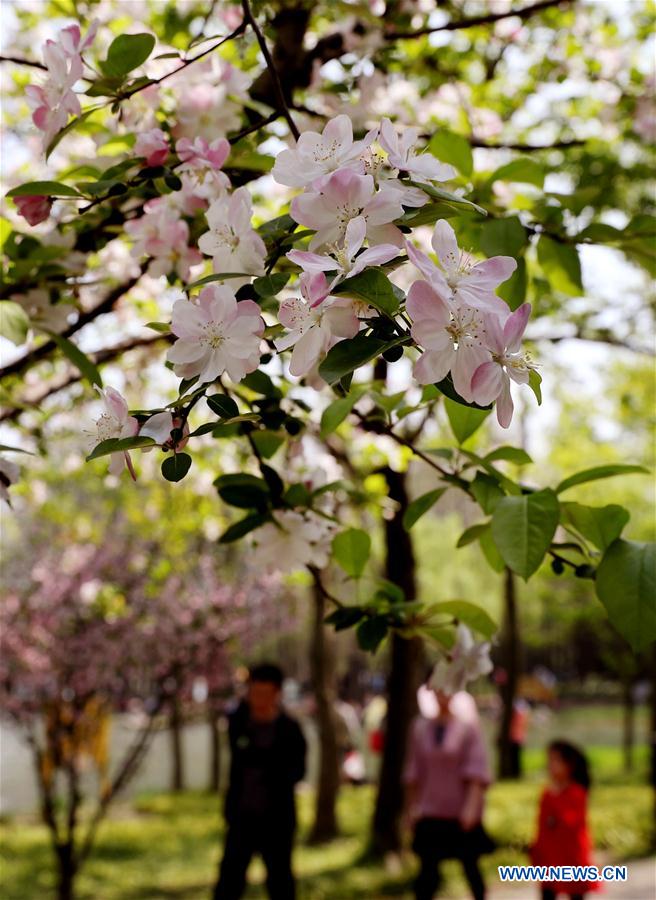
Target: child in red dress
563, 837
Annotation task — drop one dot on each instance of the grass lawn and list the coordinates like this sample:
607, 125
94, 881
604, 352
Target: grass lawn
167, 846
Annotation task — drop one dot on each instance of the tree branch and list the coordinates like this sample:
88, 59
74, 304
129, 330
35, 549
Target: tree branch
472, 21
19, 61
275, 77
43, 350
102, 356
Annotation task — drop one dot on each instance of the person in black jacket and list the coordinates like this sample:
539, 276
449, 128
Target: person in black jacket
267, 751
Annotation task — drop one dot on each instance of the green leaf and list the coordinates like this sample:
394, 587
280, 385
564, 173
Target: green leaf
421, 505
221, 276
523, 527
224, 406
464, 420
333, 415
243, 490
14, 322
261, 383
598, 472
119, 445
535, 382
344, 617
561, 264
161, 327
371, 633
242, 527
512, 454
513, 290
350, 354
599, 524
176, 466
79, 359
447, 196
43, 189
270, 285
503, 237
486, 491
490, 551
267, 442
375, 287
469, 614
452, 148
472, 534
126, 52
351, 549
446, 387
524, 169
626, 585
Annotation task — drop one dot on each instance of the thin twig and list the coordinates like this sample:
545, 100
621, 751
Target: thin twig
19, 61
277, 86
488, 19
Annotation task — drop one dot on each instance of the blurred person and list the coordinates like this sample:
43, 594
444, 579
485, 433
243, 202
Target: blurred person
267, 750
563, 838
518, 730
446, 775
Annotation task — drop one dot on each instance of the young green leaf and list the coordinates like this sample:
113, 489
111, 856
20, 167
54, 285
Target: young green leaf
598, 472
626, 585
523, 528
420, 506
469, 614
126, 52
351, 549
14, 322
599, 524
464, 420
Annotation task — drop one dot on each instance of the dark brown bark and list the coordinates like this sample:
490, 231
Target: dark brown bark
177, 753
214, 724
322, 672
66, 871
652, 741
510, 661
403, 682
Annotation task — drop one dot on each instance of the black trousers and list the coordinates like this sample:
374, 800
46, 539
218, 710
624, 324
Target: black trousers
436, 840
273, 841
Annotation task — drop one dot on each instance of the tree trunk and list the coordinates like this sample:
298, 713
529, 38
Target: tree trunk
628, 724
214, 724
65, 871
508, 689
177, 755
652, 741
403, 682
322, 671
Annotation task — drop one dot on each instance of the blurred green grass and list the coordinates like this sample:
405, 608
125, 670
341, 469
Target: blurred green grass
167, 846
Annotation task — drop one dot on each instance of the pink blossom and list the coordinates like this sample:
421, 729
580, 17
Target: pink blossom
154, 145
161, 234
453, 338
343, 196
401, 153
199, 154
314, 322
344, 260
491, 380
232, 242
317, 154
114, 422
459, 277
34, 208
54, 100
159, 428
216, 334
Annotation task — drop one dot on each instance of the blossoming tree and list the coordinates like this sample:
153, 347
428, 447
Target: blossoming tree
316, 263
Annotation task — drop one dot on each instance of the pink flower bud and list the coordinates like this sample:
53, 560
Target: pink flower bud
34, 207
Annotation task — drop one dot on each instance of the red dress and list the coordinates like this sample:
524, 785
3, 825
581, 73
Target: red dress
563, 837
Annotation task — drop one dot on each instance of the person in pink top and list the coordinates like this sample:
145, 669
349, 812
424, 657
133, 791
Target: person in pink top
446, 775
